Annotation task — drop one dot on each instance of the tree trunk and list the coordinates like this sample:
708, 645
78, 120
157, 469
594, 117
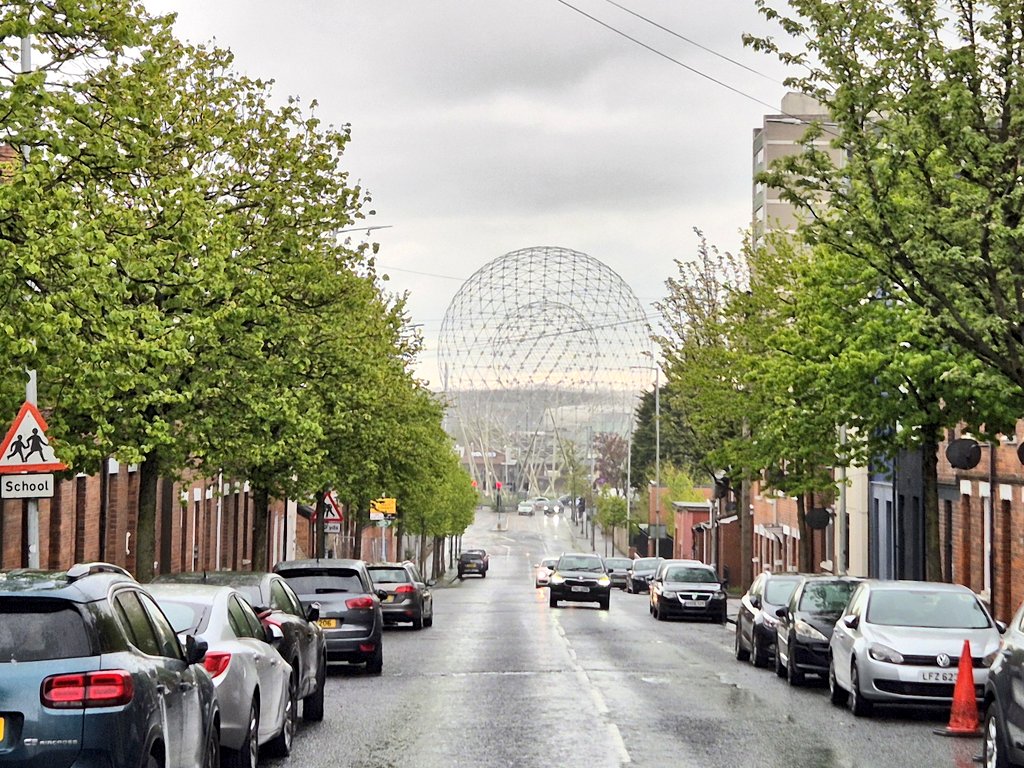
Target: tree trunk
930, 502
260, 525
805, 550
423, 552
145, 532
746, 522
438, 556
399, 541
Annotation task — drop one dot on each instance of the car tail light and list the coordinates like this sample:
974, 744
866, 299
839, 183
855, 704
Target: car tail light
405, 589
216, 662
367, 647
357, 603
109, 688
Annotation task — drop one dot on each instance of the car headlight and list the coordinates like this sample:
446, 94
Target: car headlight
720, 595
806, 631
880, 652
557, 578
668, 594
603, 581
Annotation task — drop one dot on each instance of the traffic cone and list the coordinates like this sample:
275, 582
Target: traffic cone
963, 717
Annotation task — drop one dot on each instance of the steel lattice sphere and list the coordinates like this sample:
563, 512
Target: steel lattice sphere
540, 345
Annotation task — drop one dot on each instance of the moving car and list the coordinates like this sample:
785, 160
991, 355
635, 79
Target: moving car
257, 689
409, 598
617, 570
542, 575
756, 621
525, 508
580, 577
900, 642
638, 578
805, 625
545, 505
687, 589
275, 602
350, 613
473, 561
94, 674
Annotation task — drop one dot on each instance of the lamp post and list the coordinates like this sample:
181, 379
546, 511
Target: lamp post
657, 454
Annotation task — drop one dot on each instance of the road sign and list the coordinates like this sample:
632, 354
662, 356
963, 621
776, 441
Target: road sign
26, 449
332, 527
385, 506
333, 512
27, 487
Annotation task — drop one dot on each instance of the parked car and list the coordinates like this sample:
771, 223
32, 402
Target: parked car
350, 612
900, 642
94, 674
687, 589
638, 578
542, 574
525, 508
257, 689
617, 570
805, 625
303, 645
1003, 728
474, 561
409, 598
580, 577
756, 621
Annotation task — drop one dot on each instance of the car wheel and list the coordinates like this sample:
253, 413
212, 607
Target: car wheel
152, 761
313, 705
659, 614
281, 745
741, 653
757, 655
793, 675
211, 758
429, 621
779, 669
483, 575
248, 753
461, 576
605, 603
836, 694
552, 601
993, 754
860, 706
417, 622
375, 666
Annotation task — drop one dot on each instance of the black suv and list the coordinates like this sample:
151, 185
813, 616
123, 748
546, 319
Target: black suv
349, 607
580, 577
687, 589
91, 673
303, 645
473, 561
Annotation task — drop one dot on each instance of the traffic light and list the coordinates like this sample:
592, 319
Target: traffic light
474, 483
497, 485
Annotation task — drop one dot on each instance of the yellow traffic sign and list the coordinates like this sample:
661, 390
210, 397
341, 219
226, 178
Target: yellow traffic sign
383, 506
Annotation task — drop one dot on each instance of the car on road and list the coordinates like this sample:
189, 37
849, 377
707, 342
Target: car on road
409, 597
899, 642
687, 589
257, 689
303, 645
756, 621
349, 607
525, 508
618, 567
93, 674
545, 505
543, 569
580, 577
638, 577
1003, 723
805, 625
473, 561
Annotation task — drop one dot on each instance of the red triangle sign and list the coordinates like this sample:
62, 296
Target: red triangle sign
26, 449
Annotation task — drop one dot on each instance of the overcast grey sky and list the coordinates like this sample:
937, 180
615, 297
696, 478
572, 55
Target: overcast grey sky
485, 126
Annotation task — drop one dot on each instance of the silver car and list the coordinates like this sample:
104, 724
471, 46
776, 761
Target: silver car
900, 642
256, 688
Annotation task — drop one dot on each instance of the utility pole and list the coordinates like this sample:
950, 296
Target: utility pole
657, 457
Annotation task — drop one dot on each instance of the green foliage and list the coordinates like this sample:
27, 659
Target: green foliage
611, 511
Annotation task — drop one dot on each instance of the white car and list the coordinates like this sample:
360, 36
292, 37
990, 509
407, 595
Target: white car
544, 568
900, 642
525, 508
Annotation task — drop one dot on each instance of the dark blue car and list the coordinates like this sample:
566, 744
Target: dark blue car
92, 674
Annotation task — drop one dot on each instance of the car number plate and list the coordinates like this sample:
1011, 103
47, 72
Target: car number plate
1, 730
693, 603
581, 589
389, 599
328, 623
932, 676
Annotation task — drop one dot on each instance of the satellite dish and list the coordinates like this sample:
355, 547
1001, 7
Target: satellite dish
964, 453
818, 519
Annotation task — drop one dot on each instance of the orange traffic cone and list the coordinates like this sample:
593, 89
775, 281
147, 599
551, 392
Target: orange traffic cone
963, 718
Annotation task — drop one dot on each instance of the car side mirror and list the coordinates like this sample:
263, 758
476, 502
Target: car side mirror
1001, 626
781, 612
725, 584
195, 650
755, 601
273, 635
851, 621
313, 612
382, 594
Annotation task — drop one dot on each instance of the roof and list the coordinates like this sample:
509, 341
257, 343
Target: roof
204, 592
929, 586
224, 578
317, 564
82, 583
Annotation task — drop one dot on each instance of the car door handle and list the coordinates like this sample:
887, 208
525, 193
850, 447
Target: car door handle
273, 662
184, 685
161, 689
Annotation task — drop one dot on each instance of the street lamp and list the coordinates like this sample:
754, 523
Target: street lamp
657, 454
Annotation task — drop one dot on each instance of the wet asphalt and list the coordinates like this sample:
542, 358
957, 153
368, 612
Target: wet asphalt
502, 679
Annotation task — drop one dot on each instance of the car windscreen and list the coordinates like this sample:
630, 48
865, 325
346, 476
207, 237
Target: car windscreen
185, 616
325, 582
691, 575
251, 592
618, 563
581, 564
646, 563
828, 597
920, 608
389, 575
40, 630
778, 591
470, 556
549, 562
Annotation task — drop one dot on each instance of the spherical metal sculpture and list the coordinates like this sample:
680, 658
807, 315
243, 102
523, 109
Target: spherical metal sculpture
540, 348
